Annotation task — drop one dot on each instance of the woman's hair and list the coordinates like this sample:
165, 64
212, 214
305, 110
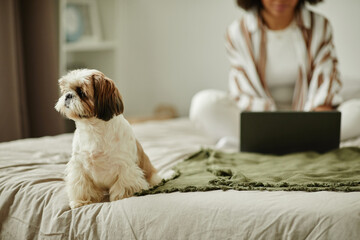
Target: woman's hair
248, 4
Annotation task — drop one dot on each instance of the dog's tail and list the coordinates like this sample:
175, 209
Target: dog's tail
154, 180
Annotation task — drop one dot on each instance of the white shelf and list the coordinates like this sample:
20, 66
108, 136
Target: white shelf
89, 46
98, 51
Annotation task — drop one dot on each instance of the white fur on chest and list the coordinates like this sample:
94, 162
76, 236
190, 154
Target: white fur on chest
104, 149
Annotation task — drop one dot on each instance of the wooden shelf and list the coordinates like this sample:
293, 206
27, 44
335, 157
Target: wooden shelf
89, 46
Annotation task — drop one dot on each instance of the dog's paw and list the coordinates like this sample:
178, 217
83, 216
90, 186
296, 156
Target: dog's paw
122, 190
116, 197
76, 204
121, 195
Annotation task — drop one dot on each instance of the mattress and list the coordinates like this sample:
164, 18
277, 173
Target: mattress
34, 205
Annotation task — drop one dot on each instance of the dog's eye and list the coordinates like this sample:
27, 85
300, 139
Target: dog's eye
80, 92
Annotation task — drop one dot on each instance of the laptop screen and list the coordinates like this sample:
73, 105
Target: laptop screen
287, 132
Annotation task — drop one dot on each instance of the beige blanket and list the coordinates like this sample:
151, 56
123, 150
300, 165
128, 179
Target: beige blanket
34, 205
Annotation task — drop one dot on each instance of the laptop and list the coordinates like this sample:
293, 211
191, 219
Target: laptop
287, 132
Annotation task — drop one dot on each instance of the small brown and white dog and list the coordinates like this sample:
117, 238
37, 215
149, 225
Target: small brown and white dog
106, 155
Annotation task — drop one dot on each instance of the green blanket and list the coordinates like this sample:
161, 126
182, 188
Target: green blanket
206, 170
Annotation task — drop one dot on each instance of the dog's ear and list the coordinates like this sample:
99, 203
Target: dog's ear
107, 99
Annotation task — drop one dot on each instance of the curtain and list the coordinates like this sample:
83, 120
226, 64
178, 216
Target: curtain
29, 69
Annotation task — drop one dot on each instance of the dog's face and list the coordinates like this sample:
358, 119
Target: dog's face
88, 94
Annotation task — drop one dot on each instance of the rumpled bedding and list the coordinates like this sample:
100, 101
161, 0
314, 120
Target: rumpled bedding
34, 205
208, 169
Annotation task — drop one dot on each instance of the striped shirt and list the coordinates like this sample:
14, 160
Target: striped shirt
318, 81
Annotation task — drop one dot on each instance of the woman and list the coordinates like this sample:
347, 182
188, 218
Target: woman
282, 58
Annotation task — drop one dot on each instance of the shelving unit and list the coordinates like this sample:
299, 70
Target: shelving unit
99, 52
81, 47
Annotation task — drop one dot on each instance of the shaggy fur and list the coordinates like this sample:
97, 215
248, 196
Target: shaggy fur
106, 157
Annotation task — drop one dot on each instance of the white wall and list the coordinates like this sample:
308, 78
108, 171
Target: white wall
345, 19
170, 49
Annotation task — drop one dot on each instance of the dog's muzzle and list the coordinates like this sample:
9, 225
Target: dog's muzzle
68, 98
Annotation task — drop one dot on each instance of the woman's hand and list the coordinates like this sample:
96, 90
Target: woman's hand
323, 108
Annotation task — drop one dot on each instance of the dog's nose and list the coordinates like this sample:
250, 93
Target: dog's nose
68, 96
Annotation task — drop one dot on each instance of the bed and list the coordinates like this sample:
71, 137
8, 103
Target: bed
34, 205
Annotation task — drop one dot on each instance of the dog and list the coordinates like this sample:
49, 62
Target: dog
106, 156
